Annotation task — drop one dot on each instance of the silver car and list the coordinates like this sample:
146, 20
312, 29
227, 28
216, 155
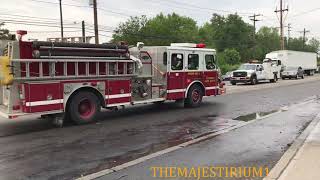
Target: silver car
293, 73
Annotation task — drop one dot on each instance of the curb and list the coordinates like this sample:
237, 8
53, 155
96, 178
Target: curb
288, 156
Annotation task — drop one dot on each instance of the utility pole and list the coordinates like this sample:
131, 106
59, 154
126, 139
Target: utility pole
61, 20
254, 19
281, 11
83, 32
289, 30
304, 36
95, 13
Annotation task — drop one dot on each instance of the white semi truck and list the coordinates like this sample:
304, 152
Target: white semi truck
306, 60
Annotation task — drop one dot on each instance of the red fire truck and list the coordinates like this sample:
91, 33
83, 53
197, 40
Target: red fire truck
77, 80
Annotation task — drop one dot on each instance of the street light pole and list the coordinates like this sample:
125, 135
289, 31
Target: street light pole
61, 20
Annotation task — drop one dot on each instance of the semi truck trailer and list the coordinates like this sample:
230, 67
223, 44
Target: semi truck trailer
306, 60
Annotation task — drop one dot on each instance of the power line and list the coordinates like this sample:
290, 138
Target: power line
32, 19
305, 12
203, 8
82, 6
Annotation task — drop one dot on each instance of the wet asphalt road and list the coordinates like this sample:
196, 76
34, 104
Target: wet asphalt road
33, 150
258, 144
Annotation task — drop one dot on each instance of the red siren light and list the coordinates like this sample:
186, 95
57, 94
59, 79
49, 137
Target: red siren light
21, 33
201, 45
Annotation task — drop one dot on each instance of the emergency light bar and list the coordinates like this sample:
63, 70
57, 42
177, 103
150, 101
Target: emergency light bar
188, 45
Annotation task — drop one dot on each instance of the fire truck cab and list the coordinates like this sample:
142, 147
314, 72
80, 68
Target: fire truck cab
77, 80
182, 71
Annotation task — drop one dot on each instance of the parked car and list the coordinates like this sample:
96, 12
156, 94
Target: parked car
293, 73
318, 69
227, 76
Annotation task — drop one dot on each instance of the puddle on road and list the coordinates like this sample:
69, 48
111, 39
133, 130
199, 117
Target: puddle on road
254, 116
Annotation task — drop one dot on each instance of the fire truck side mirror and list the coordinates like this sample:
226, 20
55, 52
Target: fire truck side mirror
140, 45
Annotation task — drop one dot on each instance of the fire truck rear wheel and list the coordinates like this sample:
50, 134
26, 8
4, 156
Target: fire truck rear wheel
194, 98
84, 107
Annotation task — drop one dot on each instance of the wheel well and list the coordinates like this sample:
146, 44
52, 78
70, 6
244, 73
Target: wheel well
88, 89
198, 84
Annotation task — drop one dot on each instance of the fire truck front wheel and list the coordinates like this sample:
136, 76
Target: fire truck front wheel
84, 107
194, 98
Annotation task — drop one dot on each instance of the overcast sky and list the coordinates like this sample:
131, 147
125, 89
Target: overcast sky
302, 14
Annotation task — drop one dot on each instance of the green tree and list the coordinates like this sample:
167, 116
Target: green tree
130, 31
313, 45
267, 40
4, 33
231, 56
171, 28
160, 30
229, 32
228, 60
298, 44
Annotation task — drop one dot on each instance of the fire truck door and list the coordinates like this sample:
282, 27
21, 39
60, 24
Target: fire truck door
176, 76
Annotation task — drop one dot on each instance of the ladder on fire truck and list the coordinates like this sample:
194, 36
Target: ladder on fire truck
50, 66
60, 68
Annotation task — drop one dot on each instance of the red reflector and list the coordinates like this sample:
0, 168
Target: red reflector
12, 117
16, 107
201, 45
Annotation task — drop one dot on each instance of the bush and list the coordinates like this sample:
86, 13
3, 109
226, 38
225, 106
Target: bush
231, 56
227, 67
228, 60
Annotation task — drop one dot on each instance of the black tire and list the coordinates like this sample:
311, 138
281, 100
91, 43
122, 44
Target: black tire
283, 78
296, 77
274, 80
254, 80
233, 83
308, 73
302, 77
84, 107
159, 102
194, 97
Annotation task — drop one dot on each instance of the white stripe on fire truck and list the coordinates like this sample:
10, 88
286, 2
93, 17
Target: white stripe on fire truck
176, 90
184, 90
41, 103
115, 96
211, 88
